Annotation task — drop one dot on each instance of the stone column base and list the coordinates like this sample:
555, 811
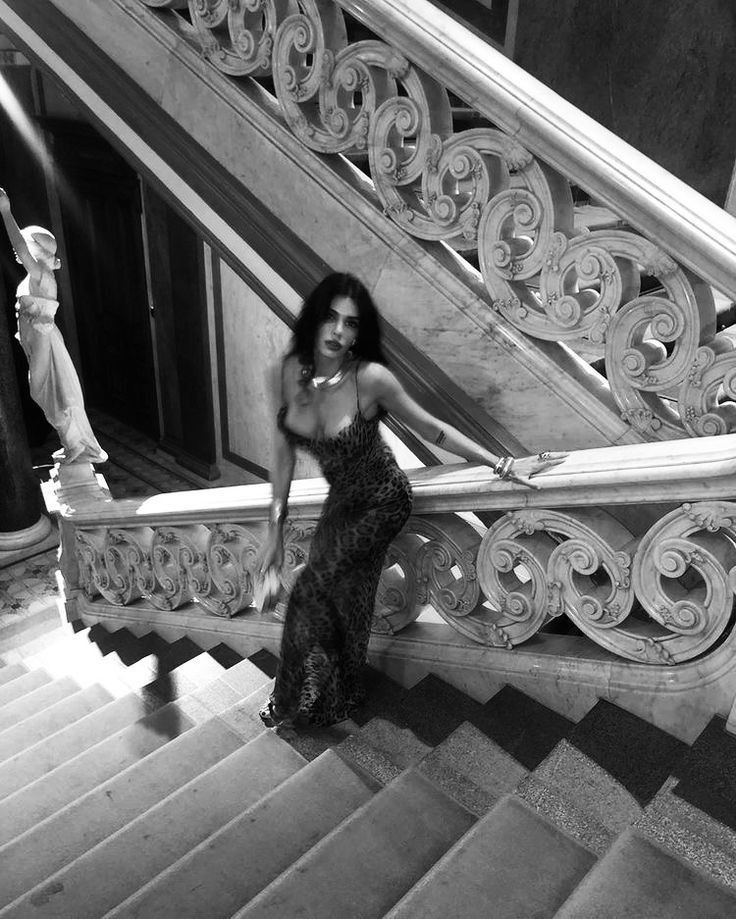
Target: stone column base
21, 544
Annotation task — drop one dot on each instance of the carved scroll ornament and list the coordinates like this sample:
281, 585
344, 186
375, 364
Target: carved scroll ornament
662, 598
485, 195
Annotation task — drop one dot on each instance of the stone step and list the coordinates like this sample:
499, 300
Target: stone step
42, 622
169, 654
51, 753
122, 642
223, 778
160, 721
46, 695
563, 811
512, 859
36, 643
200, 671
316, 740
43, 724
369, 862
523, 727
87, 667
21, 646
76, 655
433, 709
236, 863
593, 790
638, 755
71, 780
382, 694
22, 685
237, 695
384, 749
576, 794
120, 645
684, 829
473, 769
9, 672
638, 878
707, 773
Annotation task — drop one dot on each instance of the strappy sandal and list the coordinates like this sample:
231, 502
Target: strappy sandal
269, 717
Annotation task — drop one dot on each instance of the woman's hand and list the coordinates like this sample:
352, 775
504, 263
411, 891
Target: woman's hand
271, 554
526, 467
4, 202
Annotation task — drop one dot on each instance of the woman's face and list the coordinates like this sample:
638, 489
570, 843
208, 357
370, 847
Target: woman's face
339, 331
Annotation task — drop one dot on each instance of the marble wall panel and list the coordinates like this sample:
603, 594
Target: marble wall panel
509, 391
93, 17
253, 340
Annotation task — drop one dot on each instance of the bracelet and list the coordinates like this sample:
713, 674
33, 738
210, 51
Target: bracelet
503, 467
277, 514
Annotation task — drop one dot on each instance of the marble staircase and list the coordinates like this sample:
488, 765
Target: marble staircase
137, 780
266, 204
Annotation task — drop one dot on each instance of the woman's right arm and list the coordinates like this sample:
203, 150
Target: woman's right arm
281, 476
282, 472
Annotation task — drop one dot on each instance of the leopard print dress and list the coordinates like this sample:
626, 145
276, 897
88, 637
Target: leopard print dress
330, 610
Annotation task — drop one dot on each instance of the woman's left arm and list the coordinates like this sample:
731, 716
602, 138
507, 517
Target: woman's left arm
381, 384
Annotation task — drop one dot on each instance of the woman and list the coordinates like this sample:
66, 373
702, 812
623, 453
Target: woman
335, 388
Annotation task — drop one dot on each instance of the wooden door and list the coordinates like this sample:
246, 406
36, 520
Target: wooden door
176, 256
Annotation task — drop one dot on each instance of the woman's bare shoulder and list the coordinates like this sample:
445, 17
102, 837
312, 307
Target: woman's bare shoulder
375, 377
373, 372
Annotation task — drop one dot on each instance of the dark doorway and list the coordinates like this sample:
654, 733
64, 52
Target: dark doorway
101, 213
178, 296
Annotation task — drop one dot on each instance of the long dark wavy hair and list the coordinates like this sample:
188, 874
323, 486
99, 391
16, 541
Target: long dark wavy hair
314, 312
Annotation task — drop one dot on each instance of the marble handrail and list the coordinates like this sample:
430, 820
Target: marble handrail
664, 471
697, 232
658, 589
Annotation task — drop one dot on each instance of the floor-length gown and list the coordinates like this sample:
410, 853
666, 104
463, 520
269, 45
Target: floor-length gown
329, 614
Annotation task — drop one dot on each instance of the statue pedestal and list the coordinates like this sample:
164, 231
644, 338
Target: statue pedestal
72, 484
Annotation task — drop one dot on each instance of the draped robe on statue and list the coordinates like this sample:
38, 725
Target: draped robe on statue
53, 379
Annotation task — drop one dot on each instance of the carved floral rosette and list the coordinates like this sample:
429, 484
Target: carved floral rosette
479, 191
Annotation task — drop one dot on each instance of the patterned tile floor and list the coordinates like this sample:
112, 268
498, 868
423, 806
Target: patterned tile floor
28, 587
136, 468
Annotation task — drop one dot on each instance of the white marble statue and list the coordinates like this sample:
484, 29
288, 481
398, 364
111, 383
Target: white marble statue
52, 376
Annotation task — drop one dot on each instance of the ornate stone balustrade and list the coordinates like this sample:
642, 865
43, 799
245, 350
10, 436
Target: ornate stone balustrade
656, 591
637, 294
